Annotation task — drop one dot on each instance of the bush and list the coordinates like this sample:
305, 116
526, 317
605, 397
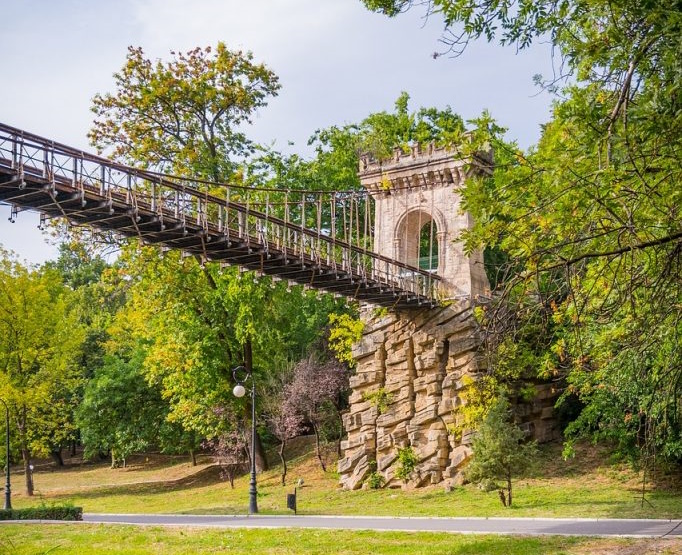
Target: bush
407, 462
375, 481
56, 512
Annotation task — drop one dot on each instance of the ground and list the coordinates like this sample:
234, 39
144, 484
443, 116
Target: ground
590, 485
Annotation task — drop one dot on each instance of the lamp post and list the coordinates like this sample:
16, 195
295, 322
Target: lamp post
8, 489
239, 391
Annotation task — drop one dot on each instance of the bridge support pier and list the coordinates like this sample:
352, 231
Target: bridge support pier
412, 370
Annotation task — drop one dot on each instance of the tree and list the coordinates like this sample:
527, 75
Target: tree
183, 116
315, 387
197, 321
232, 451
120, 412
40, 340
285, 422
499, 451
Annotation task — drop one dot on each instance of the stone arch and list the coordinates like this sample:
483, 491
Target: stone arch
407, 237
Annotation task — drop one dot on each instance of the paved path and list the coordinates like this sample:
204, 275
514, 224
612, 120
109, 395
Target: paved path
526, 526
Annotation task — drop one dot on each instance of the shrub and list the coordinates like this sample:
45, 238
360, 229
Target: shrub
407, 462
44, 512
379, 398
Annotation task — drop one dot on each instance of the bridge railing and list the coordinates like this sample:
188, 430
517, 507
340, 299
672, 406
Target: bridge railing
339, 242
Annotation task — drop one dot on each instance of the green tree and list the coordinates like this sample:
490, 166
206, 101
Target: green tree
40, 341
499, 450
120, 412
183, 116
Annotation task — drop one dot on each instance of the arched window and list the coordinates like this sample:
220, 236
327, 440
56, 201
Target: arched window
428, 247
417, 240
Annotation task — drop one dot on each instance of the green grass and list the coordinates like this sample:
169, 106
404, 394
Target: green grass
86, 539
588, 486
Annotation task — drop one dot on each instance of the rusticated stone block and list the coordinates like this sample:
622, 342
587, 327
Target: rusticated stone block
425, 416
357, 477
364, 379
398, 412
384, 462
460, 455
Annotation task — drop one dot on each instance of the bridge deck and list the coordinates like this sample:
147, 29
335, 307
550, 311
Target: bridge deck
88, 190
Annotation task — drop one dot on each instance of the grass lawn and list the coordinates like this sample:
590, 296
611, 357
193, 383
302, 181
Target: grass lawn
86, 539
587, 486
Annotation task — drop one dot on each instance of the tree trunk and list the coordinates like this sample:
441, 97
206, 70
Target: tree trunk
318, 449
28, 472
193, 457
73, 449
25, 453
509, 489
113, 459
56, 455
261, 459
284, 462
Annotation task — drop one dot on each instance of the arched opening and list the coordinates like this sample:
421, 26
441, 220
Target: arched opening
428, 247
416, 240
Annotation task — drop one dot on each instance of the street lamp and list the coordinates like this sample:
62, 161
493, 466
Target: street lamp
239, 391
8, 489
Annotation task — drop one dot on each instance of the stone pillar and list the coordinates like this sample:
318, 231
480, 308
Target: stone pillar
407, 387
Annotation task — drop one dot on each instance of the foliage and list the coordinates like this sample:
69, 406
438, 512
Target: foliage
183, 116
40, 339
345, 331
315, 386
407, 462
120, 412
43, 512
192, 322
379, 398
285, 419
232, 451
375, 480
499, 451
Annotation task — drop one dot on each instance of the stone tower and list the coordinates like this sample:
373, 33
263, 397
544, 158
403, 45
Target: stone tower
418, 215
413, 367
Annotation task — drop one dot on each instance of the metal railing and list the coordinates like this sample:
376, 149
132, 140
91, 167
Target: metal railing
214, 210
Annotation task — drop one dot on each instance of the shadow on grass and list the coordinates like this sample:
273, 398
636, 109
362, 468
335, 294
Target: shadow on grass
205, 477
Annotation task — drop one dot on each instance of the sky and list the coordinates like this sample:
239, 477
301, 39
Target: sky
337, 63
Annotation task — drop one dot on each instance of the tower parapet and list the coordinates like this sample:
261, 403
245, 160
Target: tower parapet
418, 216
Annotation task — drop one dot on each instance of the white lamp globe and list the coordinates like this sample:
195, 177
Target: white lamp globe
239, 390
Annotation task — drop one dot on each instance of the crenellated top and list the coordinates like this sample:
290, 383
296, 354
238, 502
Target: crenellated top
420, 167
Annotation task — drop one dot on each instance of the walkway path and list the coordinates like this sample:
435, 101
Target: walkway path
526, 526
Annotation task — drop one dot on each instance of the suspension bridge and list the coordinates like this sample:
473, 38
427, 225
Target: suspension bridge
322, 239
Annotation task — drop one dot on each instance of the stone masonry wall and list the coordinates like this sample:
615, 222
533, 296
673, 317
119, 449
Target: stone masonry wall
419, 360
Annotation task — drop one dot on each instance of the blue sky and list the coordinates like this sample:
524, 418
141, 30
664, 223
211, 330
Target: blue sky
336, 61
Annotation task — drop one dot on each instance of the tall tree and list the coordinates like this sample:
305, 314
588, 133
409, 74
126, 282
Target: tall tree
184, 116
40, 340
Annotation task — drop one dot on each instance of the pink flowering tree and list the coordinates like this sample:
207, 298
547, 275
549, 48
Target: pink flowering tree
285, 422
315, 392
